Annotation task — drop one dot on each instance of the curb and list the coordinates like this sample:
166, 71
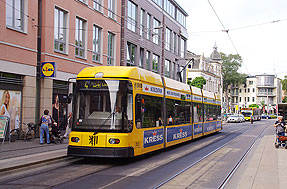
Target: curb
33, 159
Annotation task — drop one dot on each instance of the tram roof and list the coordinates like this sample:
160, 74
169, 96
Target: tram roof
121, 72
208, 94
196, 90
173, 84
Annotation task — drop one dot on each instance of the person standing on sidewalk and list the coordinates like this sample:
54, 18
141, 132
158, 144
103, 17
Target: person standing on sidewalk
69, 125
45, 121
280, 128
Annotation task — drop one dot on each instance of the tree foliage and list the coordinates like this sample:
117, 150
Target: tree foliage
284, 99
197, 82
253, 106
284, 83
230, 66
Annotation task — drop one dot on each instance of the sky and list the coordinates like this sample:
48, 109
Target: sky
262, 47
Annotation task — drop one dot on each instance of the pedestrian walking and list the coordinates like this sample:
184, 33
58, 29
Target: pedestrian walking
69, 125
45, 121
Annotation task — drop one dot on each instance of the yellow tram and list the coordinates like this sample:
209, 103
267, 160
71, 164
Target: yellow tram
129, 111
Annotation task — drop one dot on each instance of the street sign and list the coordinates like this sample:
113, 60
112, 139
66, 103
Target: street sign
48, 69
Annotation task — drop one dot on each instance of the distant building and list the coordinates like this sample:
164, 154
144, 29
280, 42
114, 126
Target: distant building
207, 67
264, 90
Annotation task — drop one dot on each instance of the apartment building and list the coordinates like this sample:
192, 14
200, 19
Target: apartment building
68, 35
265, 90
207, 67
154, 36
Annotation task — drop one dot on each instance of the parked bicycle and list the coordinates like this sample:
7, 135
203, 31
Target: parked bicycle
29, 135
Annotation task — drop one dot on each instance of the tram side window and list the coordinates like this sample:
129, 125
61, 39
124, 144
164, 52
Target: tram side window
148, 111
218, 112
178, 112
209, 112
197, 112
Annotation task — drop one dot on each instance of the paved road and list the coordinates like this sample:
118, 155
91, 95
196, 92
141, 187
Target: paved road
221, 151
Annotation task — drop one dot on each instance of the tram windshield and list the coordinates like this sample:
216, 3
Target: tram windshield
103, 105
246, 113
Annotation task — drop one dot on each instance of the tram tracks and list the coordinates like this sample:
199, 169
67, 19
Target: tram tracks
230, 173
92, 168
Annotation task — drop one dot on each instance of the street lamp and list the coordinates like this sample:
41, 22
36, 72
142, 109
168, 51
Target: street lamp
179, 72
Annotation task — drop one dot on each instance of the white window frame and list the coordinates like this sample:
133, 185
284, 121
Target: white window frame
111, 47
156, 33
167, 68
142, 22
131, 54
97, 4
148, 18
15, 12
111, 8
132, 16
168, 33
155, 63
97, 43
60, 29
80, 33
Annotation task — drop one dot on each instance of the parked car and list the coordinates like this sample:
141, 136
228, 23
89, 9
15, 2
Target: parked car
242, 117
264, 116
234, 119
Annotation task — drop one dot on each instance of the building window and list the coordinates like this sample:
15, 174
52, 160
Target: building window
148, 26
98, 5
132, 12
83, 1
141, 59
158, 2
111, 41
248, 90
173, 71
15, 14
175, 43
181, 18
142, 22
248, 99
80, 38
147, 60
166, 68
97, 43
60, 18
111, 8
253, 90
155, 31
250, 82
167, 38
155, 61
182, 47
169, 8
253, 99
239, 99
239, 90
131, 54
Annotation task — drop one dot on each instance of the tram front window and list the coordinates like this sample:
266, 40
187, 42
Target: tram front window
247, 113
103, 105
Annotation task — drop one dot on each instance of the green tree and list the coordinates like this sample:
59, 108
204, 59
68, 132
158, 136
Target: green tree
197, 82
253, 106
284, 99
284, 83
230, 66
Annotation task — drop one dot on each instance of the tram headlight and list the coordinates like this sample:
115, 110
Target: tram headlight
114, 141
75, 139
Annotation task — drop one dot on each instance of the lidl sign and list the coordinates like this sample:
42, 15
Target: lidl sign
48, 69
